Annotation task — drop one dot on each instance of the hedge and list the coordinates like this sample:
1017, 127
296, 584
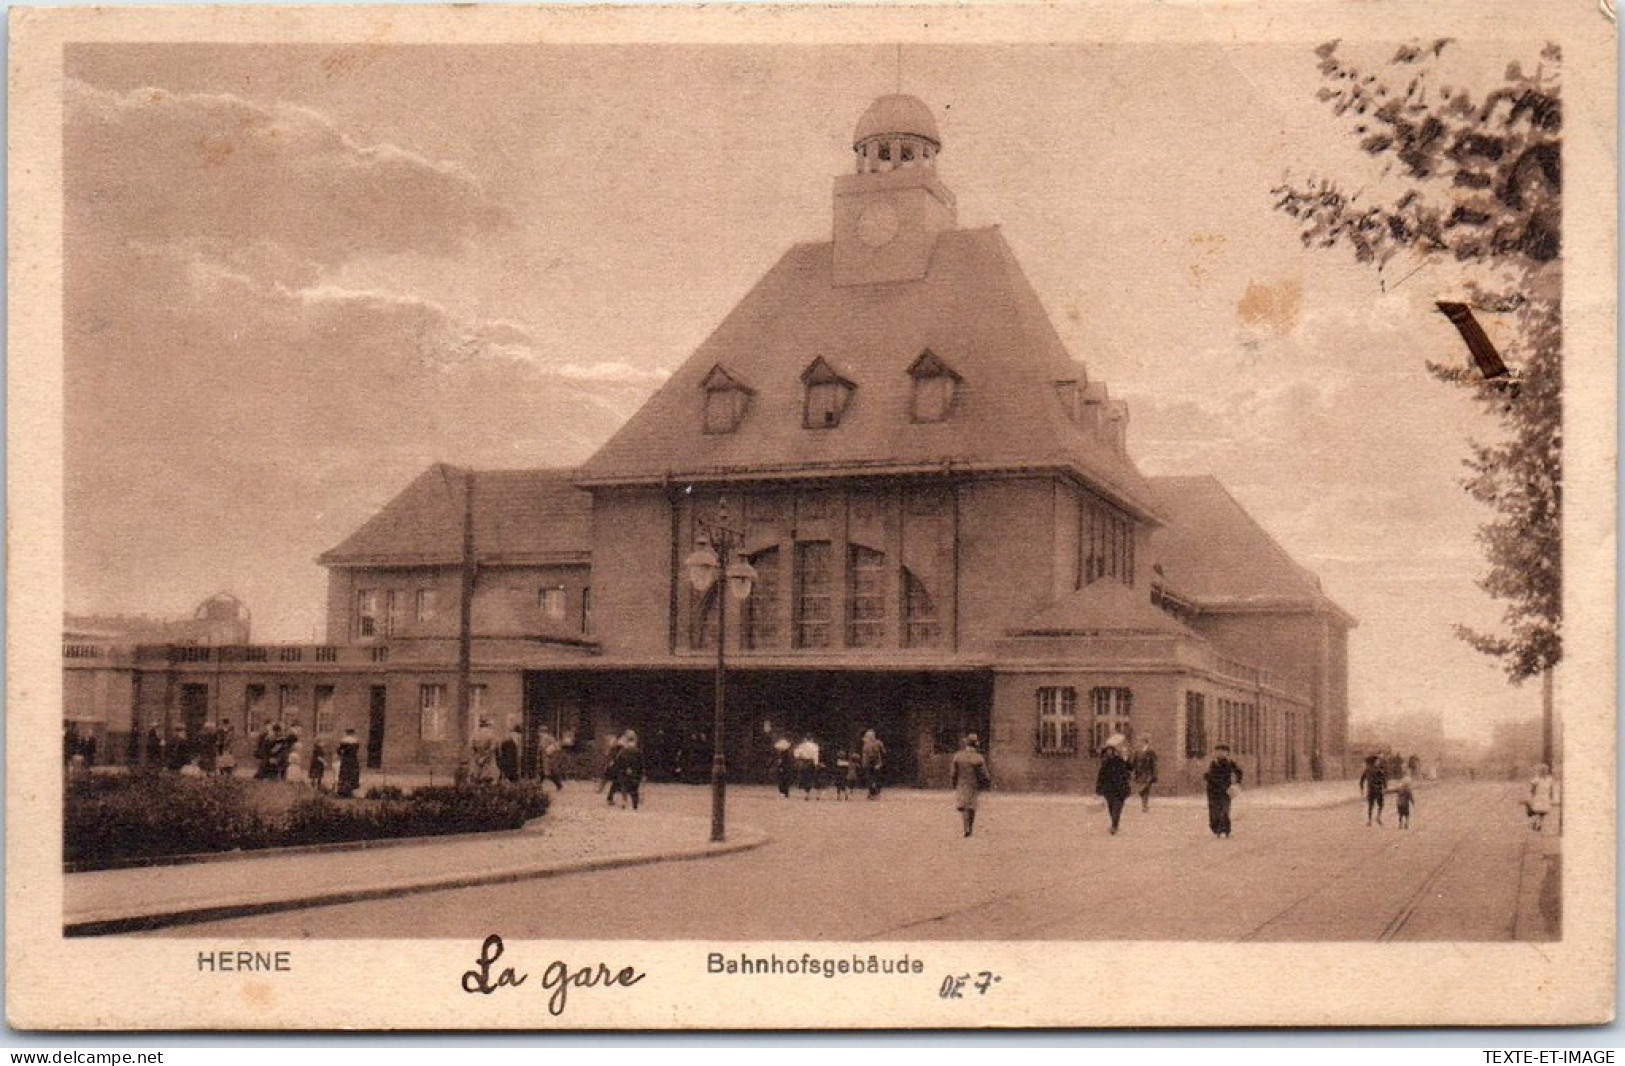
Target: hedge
115, 820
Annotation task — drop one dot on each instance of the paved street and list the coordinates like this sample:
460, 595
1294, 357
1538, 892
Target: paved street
1039, 868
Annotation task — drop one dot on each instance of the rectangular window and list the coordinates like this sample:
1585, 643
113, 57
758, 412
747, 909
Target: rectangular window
933, 398
394, 605
425, 605
432, 712
287, 704
552, 604
1113, 708
366, 614
324, 710
476, 703
813, 594
253, 707
1057, 721
586, 611
724, 409
825, 402
866, 597
1195, 725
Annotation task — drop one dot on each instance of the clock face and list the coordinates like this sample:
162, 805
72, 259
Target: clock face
877, 225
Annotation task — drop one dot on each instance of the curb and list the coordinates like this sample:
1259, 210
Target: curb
135, 923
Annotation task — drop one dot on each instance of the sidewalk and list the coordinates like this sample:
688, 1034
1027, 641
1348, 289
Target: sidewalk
579, 833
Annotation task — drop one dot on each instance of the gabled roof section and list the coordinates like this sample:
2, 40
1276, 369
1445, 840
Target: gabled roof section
819, 372
974, 310
1216, 556
1100, 607
520, 516
930, 365
719, 380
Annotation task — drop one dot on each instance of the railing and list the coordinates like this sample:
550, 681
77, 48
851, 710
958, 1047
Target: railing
82, 651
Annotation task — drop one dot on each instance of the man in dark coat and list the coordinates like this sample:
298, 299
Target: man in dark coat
1374, 782
508, 755
1221, 775
180, 751
1113, 781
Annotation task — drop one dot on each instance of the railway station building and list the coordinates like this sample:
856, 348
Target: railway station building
947, 532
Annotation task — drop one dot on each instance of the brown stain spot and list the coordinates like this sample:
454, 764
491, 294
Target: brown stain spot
1275, 308
215, 152
257, 993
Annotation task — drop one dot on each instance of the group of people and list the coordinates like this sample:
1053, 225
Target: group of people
623, 770
1374, 784
803, 765
279, 755
504, 760
1121, 775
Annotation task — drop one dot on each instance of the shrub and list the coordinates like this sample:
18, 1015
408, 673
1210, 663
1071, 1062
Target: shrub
115, 819
385, 792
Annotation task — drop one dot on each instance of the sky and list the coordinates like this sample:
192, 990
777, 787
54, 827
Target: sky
297, 275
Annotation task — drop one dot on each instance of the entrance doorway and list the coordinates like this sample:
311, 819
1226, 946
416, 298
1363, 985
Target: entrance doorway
377, 703
194, 709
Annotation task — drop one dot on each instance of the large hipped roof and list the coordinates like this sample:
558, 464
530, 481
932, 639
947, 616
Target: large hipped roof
974, 310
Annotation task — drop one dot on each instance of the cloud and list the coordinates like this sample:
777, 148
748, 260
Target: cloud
218, 169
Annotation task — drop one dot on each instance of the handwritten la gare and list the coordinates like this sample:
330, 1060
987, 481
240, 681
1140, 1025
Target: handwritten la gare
558, 978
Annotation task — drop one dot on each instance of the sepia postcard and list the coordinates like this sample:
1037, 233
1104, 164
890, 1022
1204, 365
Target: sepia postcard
779, 517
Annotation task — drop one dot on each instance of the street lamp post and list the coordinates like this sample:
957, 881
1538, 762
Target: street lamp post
713, 560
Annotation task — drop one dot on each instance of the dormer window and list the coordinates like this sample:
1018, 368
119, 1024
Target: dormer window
726, 400
827, 395
936, 387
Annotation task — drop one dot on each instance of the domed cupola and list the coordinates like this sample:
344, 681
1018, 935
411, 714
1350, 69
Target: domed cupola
888, 214
897, 131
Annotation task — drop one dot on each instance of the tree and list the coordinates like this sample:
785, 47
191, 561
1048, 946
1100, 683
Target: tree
1478, 180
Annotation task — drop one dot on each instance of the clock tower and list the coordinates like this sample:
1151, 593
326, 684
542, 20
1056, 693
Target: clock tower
888, 214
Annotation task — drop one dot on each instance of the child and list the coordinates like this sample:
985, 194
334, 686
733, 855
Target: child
844, 776
1403, 800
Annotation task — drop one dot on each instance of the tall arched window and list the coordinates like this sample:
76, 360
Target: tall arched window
865, 597
761, 608
922, 628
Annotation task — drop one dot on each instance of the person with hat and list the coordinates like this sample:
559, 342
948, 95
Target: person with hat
349, 752
969, 778
482, 748
1223, 775
1114, 781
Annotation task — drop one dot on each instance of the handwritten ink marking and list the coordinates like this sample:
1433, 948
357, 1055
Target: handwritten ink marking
953, 986
479, 978
558, 978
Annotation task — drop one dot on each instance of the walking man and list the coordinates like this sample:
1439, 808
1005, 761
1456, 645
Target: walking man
1222, 776
1374, 780
873, 756
1115, 776
1145, 772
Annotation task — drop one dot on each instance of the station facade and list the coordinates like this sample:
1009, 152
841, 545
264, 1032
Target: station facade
946, 529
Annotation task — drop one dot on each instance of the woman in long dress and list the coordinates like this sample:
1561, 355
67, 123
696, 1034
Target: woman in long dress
349, 750
969, 778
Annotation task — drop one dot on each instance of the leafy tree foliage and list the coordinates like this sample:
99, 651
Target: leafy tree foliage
1479, 180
